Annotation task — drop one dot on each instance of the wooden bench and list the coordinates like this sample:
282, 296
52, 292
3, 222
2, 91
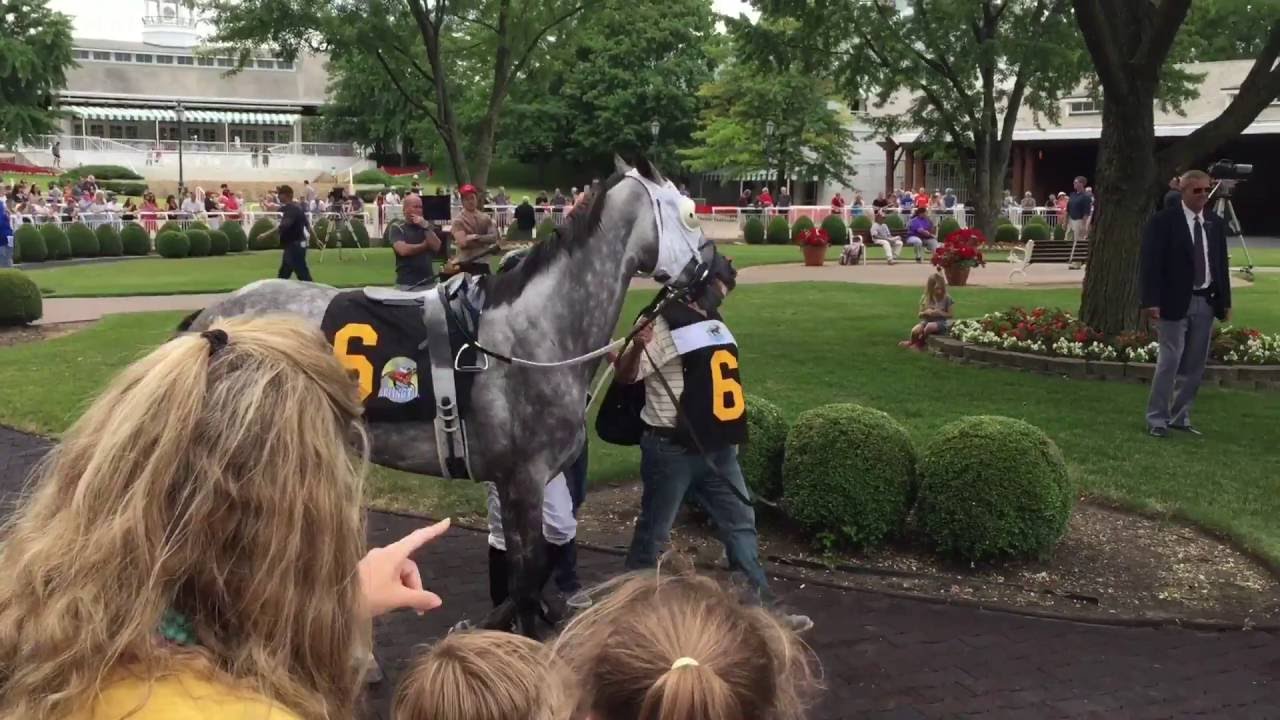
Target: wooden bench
1047, 251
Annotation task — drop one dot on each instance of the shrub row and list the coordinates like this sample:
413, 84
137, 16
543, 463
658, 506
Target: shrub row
37, 243
982, 488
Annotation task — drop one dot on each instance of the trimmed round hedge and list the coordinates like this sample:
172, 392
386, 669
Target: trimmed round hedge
360, 232
753, 231
170, 226
760, 457
237, 241
946, 227
895, 222
800, 225
82, 240
860, 222
29, 244
993, 487
836, 229
109, 244
256, 241
135, 240
198, 225
219, 243
849, 474
173, 244
1037, 220
1035, 231
1059, 232
198, 243
20, 301
1006, 233
545, 229
778, 231
322, 235
56, 241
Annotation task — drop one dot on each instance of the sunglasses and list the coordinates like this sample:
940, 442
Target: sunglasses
1198, 191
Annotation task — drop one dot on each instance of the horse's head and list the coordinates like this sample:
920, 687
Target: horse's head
666, 240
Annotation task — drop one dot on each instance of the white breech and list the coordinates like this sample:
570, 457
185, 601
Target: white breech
558, 524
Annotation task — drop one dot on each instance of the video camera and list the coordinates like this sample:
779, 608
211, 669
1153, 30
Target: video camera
1229, 170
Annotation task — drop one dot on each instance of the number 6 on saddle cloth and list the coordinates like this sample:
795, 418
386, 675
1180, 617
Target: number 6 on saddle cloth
400, 348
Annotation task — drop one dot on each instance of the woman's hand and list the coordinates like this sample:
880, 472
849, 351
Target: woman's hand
389, 580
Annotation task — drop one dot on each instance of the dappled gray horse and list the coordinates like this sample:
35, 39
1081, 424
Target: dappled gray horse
526, 424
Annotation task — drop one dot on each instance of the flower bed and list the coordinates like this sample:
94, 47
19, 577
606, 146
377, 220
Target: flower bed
1055, 332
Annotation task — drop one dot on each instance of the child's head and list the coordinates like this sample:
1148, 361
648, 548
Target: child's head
680, 647
486, 675
936, 287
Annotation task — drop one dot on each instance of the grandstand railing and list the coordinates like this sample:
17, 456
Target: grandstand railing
152, 221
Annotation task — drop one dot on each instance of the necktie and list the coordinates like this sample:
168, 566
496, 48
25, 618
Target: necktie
1197, 249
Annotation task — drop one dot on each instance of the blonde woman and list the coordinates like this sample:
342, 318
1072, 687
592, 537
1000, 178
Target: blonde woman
679, 647
192, 549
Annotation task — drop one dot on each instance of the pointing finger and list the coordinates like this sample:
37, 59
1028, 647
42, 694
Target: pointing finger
416, 539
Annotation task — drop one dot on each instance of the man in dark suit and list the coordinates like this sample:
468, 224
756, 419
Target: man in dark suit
1184, 284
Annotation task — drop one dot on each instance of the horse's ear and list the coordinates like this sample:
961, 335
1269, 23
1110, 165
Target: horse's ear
620, 166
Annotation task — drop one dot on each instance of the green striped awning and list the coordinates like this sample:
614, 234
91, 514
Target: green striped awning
191, 115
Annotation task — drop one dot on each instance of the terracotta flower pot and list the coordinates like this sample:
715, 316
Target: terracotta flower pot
814, 255
957, 274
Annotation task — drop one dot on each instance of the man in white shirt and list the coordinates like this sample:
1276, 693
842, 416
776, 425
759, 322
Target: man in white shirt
881, 235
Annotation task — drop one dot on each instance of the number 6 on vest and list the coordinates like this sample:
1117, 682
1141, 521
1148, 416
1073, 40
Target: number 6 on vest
722, 386
357, 363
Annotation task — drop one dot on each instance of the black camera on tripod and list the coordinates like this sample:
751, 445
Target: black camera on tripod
1225, 174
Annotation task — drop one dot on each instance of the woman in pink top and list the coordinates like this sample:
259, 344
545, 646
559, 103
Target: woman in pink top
148, 212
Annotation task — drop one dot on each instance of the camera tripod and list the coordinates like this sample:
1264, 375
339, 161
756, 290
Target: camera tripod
340, 221
1222, 205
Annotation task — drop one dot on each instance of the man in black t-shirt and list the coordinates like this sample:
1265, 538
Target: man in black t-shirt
292, 231
416, 245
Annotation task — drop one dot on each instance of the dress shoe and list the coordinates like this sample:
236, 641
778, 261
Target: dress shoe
1158, 432
1191, 429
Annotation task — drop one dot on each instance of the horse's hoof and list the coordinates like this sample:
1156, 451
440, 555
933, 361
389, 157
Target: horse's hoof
461, 626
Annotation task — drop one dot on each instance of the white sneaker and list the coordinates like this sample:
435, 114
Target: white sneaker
579, 601
797, 623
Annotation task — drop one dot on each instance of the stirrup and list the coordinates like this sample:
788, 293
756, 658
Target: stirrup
459, 367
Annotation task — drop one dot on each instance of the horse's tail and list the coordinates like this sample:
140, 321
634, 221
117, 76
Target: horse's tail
188, 321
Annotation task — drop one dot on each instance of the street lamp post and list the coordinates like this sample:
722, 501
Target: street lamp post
181, 132
769, 128
655, 127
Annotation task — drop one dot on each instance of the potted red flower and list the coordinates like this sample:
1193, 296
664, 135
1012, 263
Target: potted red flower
959, 253
813, 242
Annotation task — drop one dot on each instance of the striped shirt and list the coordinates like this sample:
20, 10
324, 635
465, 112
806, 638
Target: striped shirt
658, 410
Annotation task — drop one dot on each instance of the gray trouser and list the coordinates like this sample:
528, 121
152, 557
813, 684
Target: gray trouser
6, 256
1184, 348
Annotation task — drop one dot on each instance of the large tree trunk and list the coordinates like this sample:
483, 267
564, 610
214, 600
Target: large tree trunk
1127, 184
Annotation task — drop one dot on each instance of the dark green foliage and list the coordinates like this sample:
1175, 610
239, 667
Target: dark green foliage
860, 222
346, 237
778, 232
219, 243
170, 226
895, 221
372, 176
993, 487
361, 232
197, 225
1006, 233
82, 240
124, 187
849, 474
947, 226
800, 225
20, 301
135, 240
173, 244
1037, 220
256, 241
1059, 232
56, 241
1035, 231
99, 172
109, 244
761, 456
836, 229
198, 243
29, 244
321, 235
236, 239
753, 231
545, 229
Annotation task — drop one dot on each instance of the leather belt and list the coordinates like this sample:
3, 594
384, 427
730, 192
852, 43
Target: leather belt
1207, 292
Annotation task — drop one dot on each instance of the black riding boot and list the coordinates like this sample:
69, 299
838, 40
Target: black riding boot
497, 575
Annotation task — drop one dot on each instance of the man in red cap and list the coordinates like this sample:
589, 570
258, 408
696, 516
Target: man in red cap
472, 231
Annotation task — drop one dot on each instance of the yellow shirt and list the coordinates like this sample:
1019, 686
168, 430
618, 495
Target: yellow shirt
180, 697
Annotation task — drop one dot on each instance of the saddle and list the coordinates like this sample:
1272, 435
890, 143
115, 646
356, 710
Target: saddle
395, 334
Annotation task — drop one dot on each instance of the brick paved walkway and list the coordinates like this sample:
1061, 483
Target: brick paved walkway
890, 658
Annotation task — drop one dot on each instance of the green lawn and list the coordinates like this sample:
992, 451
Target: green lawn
806, 344
155, 276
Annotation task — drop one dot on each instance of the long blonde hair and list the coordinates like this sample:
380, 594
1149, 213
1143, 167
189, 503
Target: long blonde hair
217, 483
679, 647
486, 675
931, 289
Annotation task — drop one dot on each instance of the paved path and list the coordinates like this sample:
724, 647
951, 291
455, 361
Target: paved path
883, 657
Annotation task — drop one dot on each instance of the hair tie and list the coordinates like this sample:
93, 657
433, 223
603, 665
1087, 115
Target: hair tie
683, 662
217, 339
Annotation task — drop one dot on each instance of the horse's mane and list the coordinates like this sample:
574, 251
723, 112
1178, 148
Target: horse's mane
504, 288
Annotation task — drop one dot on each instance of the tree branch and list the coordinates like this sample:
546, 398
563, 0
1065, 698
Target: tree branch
944, 111
524, 56
414, 102
1260, 87
1095, 26
414, 63
477, 21
1155, 47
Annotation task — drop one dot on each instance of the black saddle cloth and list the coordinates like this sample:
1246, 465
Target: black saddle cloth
383, 346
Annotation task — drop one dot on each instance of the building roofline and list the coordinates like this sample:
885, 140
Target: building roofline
103, 98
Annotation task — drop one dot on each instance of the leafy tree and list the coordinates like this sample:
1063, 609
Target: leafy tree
957, 71
1130, 42
1223, 30
35, 52
458, 47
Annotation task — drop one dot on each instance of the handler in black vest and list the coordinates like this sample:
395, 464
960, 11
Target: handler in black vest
292, 232
690, 445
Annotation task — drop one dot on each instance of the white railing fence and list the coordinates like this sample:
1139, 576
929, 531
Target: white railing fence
152, 221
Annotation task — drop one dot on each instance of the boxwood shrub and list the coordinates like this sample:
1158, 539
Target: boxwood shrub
760, 457
135, 240
947, 226
836, 229
173, 244
237, 241
849, 474
219, 243
198, 243
993, 487
56, 241
20, 301
1035, 231
29, 244
753, 231
256, 241
1006, 233
895, 221
109, 244
84, 243
778, 232
804, 222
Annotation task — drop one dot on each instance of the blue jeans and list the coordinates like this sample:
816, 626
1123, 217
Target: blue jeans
668, 472
6, 256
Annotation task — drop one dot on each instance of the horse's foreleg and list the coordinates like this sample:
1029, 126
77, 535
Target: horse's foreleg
527, 568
